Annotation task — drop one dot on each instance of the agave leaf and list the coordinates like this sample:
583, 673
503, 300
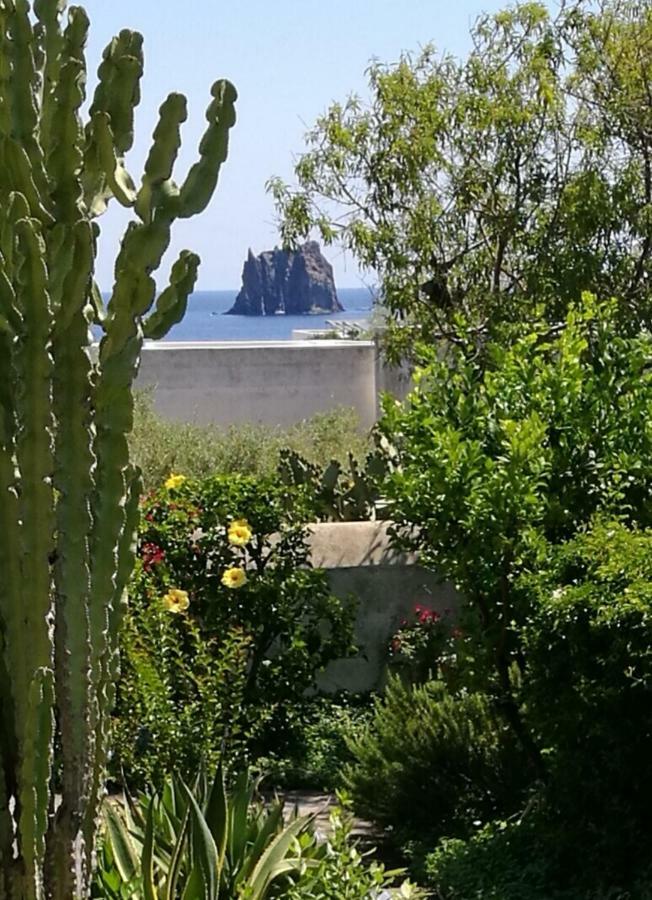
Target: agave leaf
177, 858
125, 855
204, 850
272, 862
149, 886
240, 802
217, 814
269, 827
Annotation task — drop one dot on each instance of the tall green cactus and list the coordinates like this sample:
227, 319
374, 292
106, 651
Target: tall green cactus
68, 495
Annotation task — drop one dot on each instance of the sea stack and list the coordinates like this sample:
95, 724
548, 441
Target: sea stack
287, 282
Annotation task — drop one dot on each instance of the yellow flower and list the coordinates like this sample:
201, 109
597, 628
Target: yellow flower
234, 578
175, 481
176, 601
239, 532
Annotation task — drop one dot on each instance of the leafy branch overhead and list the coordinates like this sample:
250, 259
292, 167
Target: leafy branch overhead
481, 189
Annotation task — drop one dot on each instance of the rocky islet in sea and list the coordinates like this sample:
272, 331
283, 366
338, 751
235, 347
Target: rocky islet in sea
291, 282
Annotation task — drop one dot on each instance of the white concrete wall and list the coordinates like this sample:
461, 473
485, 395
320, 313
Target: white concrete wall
271, 382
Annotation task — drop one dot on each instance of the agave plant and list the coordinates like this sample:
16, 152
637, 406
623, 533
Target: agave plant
209, 843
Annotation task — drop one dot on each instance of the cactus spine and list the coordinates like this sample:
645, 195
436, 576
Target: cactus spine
68, 495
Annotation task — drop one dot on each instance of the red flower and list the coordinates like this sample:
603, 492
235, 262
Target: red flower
152, 555
395, 645
425, 616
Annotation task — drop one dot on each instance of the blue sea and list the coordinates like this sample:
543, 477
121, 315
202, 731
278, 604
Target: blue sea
205, 319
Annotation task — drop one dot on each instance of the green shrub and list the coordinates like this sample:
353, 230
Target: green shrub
502, 861
159, 446
430, 763
523, 859
504, 453
320, 749
224, 602
342, 873
179, 696
588, 692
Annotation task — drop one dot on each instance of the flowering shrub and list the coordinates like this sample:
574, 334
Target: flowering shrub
424, 645
223, 600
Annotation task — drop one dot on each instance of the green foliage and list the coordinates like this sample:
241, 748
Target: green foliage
499, 459
484, 189
342, 874
68, 492
503, 465
159, 447
211, 842
502, 861
179, 696
322, 733
224, 843
587, 691
522, 859
429, 645
255, 643
338, 493
423, 742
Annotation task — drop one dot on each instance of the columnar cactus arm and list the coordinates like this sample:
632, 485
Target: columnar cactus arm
118, 181
10, 568
5, 72
16, 209
162, 156
36, 772
48, 13
73, 480
65, 157
172, 302
25, 85
10, 325
201, 182
68, 496
36, 503
22, 175
117, 95
126, 558
118, 89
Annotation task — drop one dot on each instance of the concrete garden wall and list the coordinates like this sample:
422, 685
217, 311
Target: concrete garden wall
269, 382
360, 561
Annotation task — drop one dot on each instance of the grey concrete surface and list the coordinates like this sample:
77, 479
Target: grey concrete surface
361, 563
270, 382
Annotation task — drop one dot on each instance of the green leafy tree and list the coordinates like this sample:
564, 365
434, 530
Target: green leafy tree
483, 189
498, 459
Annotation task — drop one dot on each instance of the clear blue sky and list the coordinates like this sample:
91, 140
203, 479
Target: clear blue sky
288, 60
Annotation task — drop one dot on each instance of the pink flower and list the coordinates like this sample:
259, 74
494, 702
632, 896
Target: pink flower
426, 616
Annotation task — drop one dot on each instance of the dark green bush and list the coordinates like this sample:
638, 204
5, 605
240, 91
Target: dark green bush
587, 690
430, 763
323, 730
226, 629
501, 861
524, 860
